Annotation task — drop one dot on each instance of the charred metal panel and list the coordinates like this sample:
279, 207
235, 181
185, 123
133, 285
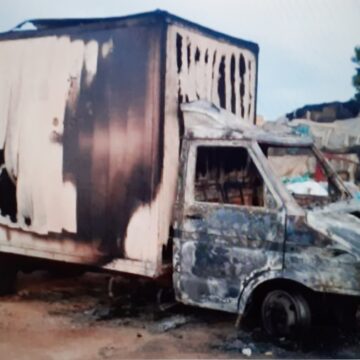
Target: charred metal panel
319, 253
219, 248
222, 251
331, 256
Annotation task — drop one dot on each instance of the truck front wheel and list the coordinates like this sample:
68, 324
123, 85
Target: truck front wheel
285, 314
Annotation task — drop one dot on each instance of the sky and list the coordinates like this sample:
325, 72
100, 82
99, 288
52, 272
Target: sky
305, 45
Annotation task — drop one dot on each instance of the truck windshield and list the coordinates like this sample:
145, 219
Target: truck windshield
304, 175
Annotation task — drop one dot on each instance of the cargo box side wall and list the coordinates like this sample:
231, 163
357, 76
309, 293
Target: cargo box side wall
81, 147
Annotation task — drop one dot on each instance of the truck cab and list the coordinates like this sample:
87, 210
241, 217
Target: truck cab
247, 233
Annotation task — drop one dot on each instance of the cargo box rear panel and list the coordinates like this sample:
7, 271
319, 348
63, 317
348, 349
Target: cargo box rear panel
90, 132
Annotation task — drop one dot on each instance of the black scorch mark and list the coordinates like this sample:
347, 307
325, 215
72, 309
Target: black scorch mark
179, 40
206, 58
221, 83
232, 80
8, 203
213, 66
180, 114
242, 71
188, 51
109, 193
197, 55
250, 94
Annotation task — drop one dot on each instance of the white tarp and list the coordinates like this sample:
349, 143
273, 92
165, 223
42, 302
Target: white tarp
334, 136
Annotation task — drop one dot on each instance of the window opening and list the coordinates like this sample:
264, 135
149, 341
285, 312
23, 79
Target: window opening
304, 175
227, 175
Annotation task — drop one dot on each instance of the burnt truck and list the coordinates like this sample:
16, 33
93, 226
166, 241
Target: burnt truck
128, 145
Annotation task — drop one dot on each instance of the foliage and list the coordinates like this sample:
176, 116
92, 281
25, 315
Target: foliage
356, 78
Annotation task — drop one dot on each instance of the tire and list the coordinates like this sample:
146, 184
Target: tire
285, 314
8, 275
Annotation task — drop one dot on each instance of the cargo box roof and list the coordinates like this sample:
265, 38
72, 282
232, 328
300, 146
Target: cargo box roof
46, 26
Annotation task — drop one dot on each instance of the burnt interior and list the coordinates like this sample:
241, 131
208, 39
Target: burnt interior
227, 175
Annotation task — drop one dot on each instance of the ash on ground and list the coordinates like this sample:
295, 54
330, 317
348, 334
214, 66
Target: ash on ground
83, 302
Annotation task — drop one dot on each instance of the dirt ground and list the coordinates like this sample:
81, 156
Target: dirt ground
74, 318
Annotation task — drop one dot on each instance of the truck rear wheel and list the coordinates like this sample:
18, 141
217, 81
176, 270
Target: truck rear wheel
8, 275
285, 314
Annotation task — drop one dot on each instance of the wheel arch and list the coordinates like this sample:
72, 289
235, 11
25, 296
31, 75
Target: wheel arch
255, 290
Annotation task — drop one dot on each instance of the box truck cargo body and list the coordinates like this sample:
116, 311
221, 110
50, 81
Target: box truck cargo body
91, 129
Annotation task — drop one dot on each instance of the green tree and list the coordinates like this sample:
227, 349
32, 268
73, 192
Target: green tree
356, 78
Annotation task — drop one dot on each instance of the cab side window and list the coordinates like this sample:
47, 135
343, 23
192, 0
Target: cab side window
227, 175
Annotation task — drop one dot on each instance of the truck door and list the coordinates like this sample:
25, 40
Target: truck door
231, 227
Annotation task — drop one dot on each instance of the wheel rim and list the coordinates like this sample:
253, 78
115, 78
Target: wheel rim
285, 314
